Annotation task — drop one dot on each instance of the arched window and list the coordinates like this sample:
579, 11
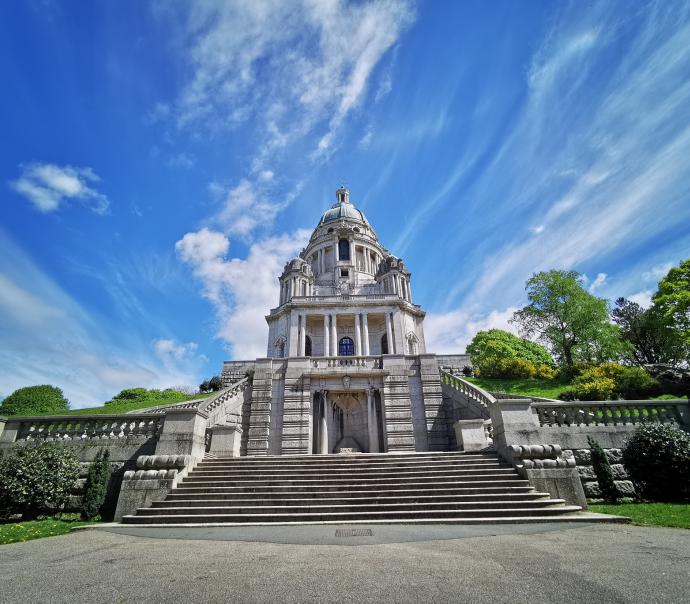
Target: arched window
307, 346
346, 347
344, 249
384, 344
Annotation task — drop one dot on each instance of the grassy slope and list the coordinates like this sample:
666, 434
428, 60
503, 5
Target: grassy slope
530, 387
13, 532
675, 515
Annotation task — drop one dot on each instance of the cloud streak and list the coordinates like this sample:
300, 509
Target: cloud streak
49, 186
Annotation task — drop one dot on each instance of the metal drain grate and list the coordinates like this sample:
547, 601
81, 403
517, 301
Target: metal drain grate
354, 533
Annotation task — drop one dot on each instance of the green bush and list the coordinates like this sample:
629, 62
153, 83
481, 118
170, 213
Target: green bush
602, 468
36, 479
593, 388
515, 369
143, 396
545, 372
610, 380
657, 458
96, 487
35, 400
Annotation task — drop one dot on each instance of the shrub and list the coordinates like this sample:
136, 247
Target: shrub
634, 383
657, 458
514, 369
467, 371
568, 395
35, 400
602, 468
204, 386
545, 372
96, 487
590, 388
36, 479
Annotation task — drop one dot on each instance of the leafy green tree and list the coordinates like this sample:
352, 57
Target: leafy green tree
497, 353
35, 400
672, 299
37, 479
648, 331
569, 320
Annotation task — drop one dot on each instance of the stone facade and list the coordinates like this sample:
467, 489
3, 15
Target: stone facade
346, 365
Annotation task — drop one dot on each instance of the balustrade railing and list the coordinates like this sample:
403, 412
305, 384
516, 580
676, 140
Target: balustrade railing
611, 413
80, 427
365, 362
206, 404
470, 390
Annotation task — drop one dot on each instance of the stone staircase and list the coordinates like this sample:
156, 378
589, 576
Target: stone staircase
365, 488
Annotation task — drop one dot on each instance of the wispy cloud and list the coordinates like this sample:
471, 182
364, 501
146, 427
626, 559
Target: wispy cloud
48, 186
241, 290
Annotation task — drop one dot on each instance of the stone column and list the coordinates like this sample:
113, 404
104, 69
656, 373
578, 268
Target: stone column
323, 432
336, 250
365, 334
302, 334
334, 335
326, 339
358, 336
389, 334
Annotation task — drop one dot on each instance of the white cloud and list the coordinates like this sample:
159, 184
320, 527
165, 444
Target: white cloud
451, 332
171, 349
658, 272
181, 160
598, 282
643, 298
47, 186
245, 208
241, 290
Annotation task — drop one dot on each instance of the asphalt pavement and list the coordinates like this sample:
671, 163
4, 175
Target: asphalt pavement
517, 563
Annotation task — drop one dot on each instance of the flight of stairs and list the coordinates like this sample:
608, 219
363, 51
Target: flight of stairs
362, 488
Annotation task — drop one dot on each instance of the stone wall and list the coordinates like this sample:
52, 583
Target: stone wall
583, 459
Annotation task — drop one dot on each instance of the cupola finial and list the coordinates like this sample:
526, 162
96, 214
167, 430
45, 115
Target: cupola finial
342, 195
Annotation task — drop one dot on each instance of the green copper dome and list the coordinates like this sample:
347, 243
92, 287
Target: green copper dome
342, 209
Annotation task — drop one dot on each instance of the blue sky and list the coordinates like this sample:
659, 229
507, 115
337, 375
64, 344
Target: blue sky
161, 161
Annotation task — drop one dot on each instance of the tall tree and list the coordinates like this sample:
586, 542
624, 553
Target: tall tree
35, 400
651, 337
673, 298
569, 320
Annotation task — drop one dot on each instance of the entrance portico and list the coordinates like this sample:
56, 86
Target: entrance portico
347, 421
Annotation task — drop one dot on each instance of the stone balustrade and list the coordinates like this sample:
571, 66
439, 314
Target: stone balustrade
471, 391
610, 413
347, 362
81, 427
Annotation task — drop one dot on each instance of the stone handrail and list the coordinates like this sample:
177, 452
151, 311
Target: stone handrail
227, 400
204, 404
81, 427
471, 391
367, 362
611, 413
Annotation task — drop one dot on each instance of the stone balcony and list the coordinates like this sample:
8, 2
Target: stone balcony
348, 299
369, 365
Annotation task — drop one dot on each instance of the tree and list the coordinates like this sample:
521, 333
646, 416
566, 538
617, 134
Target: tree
672, 299
569, 320
35, 400
215, 383
652, 339
494, 350
96, 486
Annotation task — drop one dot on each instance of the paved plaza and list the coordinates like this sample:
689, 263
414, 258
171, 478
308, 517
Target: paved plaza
547, 563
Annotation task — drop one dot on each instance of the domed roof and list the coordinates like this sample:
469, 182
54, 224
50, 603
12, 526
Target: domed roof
342, 209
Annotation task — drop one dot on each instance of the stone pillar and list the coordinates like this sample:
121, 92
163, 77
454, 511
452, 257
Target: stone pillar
358, 335
334, 335
326, 339
323, 432
184, 433
389, 334
336, 250
365, 334
397, 405
303, 335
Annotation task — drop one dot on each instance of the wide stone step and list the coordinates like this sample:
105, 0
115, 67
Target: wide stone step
235, 507
353, 481
375, 515
455, 462
307, 498
358, 458
361, 475
437, 485
368, 469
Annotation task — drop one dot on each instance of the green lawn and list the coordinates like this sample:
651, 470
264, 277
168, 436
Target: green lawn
124, 406
676, 515
12, 532
529, 387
